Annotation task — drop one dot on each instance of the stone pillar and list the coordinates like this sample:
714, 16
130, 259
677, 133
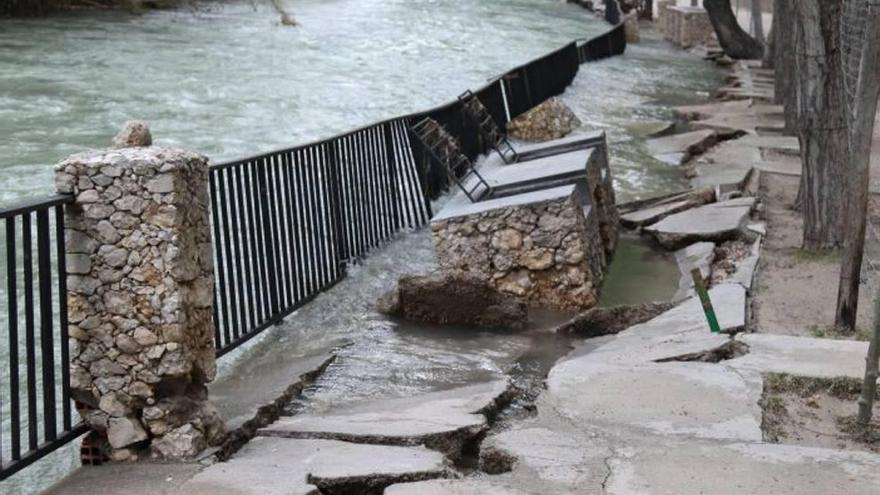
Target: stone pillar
631, 27
140, 279
662, 7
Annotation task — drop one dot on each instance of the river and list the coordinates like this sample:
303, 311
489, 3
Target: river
226, 79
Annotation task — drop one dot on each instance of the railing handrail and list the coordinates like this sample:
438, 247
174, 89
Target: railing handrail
411, 115
33, 204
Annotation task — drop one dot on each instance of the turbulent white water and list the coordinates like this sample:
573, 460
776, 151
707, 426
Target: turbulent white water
229, 81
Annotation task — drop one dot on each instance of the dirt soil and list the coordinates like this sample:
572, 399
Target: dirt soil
815, 413
796, 291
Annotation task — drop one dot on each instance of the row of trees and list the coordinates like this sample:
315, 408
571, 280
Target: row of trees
826, 56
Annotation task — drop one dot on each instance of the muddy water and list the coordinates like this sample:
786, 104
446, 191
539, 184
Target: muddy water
640, 272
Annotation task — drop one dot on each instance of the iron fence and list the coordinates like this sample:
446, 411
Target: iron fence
285, 225
35, 405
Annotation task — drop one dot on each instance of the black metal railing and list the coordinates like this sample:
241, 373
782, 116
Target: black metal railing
285, 225
287, 222
35, 405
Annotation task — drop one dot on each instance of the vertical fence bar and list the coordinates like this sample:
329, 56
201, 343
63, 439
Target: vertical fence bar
30, 344
268, 224
12, 289
47, 343
394, 193
253, 214
66, 417
282, 236
243, 279
221, 316
334, 183
295, 251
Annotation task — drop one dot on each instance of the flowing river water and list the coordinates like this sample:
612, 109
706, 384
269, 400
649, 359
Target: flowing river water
224, 78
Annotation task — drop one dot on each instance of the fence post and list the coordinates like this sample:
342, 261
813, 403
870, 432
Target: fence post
140, 295
391, 153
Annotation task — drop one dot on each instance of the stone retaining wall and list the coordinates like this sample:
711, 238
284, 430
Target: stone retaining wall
140, 282
542, 251
685, 26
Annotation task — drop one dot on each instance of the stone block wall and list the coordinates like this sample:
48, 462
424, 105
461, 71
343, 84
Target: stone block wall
685, 26
602, 198
547, 252
140, 295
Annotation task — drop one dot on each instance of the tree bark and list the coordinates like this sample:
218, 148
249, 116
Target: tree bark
822, 128
758, 21
785, 74
861, 139
872, 370
647, 10
736, 43
770, 49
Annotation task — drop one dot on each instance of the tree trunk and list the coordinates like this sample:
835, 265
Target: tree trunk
785, 74
758, 21
861, 139
770, 49
736, 43
822, 126
872, 370
647, 11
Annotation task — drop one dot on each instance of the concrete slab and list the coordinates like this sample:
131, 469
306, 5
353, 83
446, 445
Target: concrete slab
650, 128
725, 178
442, 420
541, 173
142, 478
679, 331
576, 141
746, 267
276, 466
679, 148
708, 110
260, 381
701, 400
557, 457
458, 487
460, 206
653, 214
691, 468
713, 222
698, 255
822, 358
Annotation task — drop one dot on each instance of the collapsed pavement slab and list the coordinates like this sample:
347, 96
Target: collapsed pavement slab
698, 255
653, 214
679, 148
646, 212
715, 222
458, 487
680, 331
444, 421
549, 455
802, 356
280, 466
688, 467
702, 400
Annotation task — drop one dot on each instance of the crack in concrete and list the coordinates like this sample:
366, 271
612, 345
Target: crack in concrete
268, 413
609, 470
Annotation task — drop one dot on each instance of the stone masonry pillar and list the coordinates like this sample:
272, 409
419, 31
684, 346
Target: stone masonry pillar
140, 279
